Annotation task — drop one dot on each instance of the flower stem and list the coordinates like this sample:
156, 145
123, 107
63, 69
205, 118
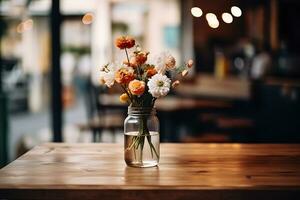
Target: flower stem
129, 95
127, 55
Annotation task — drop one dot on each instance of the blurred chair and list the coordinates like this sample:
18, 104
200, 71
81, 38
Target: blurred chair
224, 127
101, 115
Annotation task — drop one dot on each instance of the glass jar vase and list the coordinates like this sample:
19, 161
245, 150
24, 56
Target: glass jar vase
141, 137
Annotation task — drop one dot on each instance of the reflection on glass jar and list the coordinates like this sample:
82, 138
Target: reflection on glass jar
141, 132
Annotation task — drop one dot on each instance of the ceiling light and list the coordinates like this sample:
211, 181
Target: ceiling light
227, 18
211, 17
214, 24
212, 20
196, 12
236, 11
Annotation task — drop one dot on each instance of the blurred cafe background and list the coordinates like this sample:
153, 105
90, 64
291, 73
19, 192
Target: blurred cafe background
244, 86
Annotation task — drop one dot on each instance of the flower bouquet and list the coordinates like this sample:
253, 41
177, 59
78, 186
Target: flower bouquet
143, 83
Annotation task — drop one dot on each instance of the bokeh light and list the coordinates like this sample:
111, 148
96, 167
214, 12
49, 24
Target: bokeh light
196, 12
214, 24
227, 18
210, 17
25, 26
28, 24
212, 20
88, 18
236, 11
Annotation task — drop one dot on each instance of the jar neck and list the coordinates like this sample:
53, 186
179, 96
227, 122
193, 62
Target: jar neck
138, 111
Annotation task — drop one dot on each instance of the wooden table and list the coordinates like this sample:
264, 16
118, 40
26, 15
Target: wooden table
186, 171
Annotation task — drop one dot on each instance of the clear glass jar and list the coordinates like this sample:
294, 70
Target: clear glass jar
141, 137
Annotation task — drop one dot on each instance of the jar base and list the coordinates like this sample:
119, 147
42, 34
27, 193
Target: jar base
145, 164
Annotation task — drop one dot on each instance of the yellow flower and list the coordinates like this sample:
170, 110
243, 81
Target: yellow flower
137, 87
124, 98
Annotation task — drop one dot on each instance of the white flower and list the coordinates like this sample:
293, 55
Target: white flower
107, 74
165, 61
109, 78
114, 66
159, 85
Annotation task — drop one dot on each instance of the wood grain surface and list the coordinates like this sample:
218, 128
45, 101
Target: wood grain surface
186, 171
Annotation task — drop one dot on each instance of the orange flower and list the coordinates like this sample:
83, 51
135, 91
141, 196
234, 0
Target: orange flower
133, 62
124, 75
137, 87
124, 42
124, 98
141, 57
151, 71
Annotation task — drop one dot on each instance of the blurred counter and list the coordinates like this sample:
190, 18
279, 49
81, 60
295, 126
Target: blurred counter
205, 85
